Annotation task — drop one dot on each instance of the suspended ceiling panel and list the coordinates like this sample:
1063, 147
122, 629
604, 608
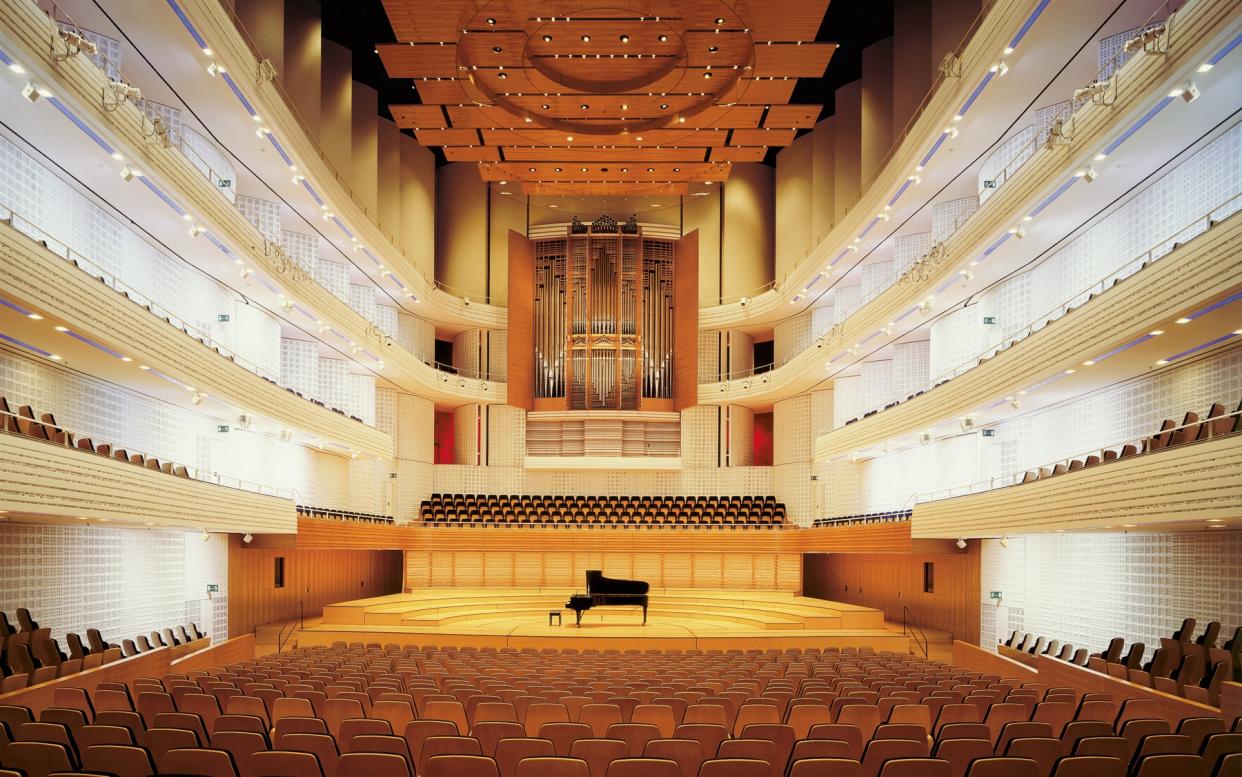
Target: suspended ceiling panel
634, 97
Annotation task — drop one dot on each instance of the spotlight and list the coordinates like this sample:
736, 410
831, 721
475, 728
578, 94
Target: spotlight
967, 424
130, 173
743, 302
16, 68
124, 91
925, 438
1004, 541
1018, 232
29, 92
1145, 37
1088, 174
247, 538
197, 230
1190, 92
1015, 403
214, 70
952, 132
961, 544
197, 399
204, 536
1092, 90
243, 421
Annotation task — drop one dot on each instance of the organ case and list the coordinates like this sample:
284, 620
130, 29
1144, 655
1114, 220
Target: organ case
602, 325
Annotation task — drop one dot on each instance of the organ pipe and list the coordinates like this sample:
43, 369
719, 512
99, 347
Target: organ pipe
603, 317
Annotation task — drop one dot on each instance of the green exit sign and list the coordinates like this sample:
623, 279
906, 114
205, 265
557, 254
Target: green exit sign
994, 594
213, 588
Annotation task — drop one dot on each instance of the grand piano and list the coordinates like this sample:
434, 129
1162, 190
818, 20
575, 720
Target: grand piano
605, 591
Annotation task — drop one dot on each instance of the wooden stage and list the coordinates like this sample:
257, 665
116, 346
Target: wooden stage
678, 619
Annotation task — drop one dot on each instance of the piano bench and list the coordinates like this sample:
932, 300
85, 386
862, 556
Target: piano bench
554, 614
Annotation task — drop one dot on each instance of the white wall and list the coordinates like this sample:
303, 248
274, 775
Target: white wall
123, 582
1088, 588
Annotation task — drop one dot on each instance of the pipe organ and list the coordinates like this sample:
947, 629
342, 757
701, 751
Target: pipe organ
603, 319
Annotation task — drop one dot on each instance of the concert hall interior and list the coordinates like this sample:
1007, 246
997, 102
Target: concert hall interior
621, 388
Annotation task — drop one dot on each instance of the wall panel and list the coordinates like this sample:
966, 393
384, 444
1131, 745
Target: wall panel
313, 578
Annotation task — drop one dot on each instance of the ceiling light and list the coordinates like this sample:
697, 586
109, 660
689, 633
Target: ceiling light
1018, 232
16, 68
961, 544
1088, 174
29, 92
130, 173
712, 49
491, 21
1162, 362
586, 38
214, 69
1156, 332
61, 328
664, 106
204, 536
1182, 321
624, 38
719, 20
584, 106
707, 74
1004, 541
662, 38
1088, 363
547, 38
54, 357
952, 132
502, 74
569, 138
247, 538
496, 49
1205, 67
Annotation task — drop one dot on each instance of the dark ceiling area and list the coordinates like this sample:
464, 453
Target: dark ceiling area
853, 24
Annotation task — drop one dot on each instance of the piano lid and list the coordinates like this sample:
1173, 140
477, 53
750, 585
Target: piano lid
598, 584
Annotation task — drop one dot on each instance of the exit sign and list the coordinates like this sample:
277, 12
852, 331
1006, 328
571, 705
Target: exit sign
213, 588
994, 594
989, 319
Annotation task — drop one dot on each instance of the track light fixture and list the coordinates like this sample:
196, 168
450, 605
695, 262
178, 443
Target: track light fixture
1004, 541
30, 92
961, 543
1188, 92
1088, 174
1144, 38
204, 536
247, 538
130, 173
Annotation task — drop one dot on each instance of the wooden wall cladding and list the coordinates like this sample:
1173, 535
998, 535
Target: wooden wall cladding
567, 569
43, 479
312, 578
890, 582
1191, 482
521, 348
686, 322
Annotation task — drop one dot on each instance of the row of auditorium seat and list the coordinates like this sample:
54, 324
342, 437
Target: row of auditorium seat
146, 306
1218, 422
514, 510
306, 511
442, 712
1183, 665
882, 517
23, 422
30, 656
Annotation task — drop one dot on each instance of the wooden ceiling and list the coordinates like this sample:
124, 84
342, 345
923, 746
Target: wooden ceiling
636, 97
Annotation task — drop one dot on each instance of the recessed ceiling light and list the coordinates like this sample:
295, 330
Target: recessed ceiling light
504, 183
586, 38
664, 106
503, 74
1156, 332
569, 138
719, 20
662, 38
547, 38
545, 106
712, 49
497, 49
624, 38
1182, 321
707, 75
491, 21
584, 106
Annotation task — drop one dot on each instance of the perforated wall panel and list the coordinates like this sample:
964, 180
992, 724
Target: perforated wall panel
1140, 586
264, 214
948, 216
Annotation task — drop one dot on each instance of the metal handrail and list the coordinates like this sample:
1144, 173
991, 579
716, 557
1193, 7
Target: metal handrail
1072, 302
294, 626
1016, 478
194, 473
910, 630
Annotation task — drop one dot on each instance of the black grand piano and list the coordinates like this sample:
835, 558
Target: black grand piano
604, 591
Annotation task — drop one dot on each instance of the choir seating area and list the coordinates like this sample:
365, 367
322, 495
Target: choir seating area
306, 511
24, 423
534, 510
30, 656
406, 711
881, 517
1184, 665
1218, 422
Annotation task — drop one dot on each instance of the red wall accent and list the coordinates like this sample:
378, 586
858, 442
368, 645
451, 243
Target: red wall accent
445, 447
763, 439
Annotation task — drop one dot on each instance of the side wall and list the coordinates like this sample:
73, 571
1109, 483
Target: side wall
313, 578
892, 581
123, 582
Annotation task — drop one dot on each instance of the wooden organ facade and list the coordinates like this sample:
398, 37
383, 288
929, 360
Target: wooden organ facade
593, 320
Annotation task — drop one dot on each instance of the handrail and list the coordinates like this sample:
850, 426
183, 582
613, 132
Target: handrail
910, 630
1016, 478
1072, 302
13, 420
300, 624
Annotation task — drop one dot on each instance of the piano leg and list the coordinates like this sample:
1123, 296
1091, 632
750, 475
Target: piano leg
644, 615
578, 618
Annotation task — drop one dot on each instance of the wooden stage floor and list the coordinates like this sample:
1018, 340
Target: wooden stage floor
678, 619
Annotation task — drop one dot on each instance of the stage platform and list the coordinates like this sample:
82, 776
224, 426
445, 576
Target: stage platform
678, 619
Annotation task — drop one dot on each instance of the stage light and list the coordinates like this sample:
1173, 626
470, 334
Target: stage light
1004, 541
961, 544
29, 92
214, 69
247, 538
204, 536
1091, 90
130, 173
1088, 174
